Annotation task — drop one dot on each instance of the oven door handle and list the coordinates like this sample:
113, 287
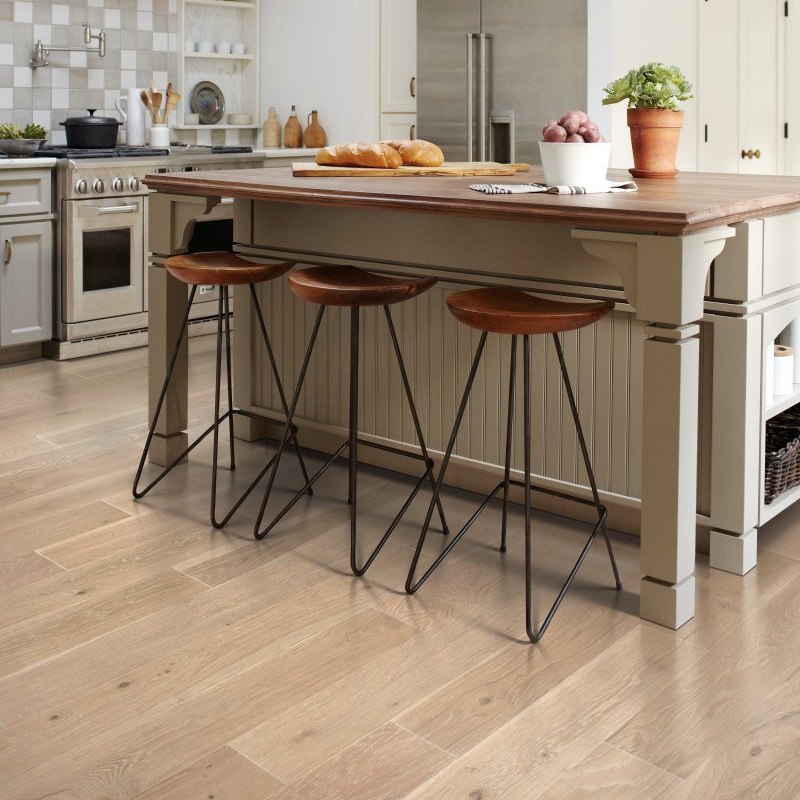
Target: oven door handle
114, 209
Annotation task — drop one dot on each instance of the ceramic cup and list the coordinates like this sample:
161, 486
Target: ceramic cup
159, 136
224, 48
191, 119
205, 47
240, 119
237, 49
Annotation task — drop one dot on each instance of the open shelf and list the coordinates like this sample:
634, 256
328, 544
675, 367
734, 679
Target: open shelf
220, 3
780, 503
783, 402
215, 127
229, 56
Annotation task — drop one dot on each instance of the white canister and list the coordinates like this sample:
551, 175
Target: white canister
159, 136
132, 111
783, 371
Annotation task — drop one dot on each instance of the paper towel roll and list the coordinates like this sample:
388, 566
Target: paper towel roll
783, 370
791, 338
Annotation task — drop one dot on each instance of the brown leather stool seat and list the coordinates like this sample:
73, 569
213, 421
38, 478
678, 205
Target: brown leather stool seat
510, 311
222, 269
348, 286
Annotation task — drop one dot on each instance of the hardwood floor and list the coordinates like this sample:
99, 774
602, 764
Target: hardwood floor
144, 654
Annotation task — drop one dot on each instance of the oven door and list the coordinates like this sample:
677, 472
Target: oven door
102, 258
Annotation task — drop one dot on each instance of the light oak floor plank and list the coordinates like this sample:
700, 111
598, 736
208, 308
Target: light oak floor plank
153, 657
221, 775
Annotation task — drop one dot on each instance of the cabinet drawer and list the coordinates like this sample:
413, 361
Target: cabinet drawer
25, 192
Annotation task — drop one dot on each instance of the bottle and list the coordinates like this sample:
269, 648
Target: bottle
314, 135
272, 129
293, 132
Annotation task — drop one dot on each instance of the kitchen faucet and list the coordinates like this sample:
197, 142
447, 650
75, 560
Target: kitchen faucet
41, 52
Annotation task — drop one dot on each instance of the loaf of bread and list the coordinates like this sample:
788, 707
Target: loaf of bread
359, 154
417, 152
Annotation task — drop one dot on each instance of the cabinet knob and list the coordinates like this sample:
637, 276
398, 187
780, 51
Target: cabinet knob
412, 132
751, 154
412, 87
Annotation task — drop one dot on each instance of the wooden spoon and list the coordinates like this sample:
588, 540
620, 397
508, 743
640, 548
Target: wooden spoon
156, 99
148, 104
172, 101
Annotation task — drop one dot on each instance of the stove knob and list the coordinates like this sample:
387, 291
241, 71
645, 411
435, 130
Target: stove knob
98, 186
118, 184
133, 184
81, 187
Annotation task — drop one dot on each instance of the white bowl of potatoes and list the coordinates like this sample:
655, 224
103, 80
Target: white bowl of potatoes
573, 151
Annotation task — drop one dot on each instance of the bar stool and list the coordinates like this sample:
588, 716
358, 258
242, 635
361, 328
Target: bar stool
511, 311
353, 288
222, 269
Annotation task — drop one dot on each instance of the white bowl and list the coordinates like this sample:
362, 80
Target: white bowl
240, 119
205, 47
575, 163
191, 119
238, 48
224, 48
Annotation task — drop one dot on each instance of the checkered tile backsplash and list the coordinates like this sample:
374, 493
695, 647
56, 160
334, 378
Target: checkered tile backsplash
141, 45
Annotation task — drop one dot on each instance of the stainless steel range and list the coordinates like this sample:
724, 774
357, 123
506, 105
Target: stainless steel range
101, 274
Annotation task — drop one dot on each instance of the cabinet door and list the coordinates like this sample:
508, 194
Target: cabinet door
398, 55
398, 126
26, 282
737, 92
760, 128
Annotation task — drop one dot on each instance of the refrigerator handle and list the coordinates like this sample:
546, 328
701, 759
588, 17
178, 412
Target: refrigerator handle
470, 95
483, 116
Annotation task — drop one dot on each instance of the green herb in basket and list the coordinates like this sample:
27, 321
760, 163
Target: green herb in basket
9, 131
33, 131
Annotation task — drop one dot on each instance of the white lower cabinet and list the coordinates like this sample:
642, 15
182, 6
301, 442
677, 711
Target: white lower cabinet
26, 282
398, 126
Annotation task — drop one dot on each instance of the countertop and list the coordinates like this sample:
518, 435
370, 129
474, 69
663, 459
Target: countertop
26, 163
691, 201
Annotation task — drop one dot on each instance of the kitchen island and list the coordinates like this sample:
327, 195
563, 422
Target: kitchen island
704, 269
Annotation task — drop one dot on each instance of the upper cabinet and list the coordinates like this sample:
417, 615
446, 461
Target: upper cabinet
740, 86
398, 56
218, 43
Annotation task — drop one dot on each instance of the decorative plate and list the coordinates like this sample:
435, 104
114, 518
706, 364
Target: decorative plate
208, 102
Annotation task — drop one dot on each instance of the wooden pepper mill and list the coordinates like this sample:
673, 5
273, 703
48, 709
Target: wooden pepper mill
314, 135
293, 131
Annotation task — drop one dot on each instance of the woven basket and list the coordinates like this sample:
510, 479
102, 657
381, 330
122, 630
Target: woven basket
782, 457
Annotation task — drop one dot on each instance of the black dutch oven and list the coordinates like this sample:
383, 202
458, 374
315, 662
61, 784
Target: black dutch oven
91, 132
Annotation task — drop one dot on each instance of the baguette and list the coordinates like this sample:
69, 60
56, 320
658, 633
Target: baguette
417, 152
359, 154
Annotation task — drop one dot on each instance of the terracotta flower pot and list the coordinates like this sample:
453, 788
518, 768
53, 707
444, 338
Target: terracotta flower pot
654, 138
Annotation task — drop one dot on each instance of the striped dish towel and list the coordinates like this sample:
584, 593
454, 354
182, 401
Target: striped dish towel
531, 188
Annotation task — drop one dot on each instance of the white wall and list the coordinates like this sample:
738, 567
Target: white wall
647, 31
323, 56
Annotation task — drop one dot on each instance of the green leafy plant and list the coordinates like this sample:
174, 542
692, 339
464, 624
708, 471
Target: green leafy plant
10, 131
653, 85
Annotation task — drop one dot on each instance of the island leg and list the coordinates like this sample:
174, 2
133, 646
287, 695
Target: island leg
664, 280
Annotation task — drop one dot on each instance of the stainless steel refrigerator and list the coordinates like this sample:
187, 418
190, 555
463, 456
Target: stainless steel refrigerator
491, 72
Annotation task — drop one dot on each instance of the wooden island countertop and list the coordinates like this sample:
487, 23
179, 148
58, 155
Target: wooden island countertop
690, 202
676, 470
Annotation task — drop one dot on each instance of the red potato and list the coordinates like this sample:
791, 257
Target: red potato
572, 120
555, 133
549, 124
573, 137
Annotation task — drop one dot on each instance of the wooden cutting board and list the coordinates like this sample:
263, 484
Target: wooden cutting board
311, 170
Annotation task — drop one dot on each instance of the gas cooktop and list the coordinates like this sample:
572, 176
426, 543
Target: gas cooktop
138, 152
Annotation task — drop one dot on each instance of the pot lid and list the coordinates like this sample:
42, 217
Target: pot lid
90, 120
